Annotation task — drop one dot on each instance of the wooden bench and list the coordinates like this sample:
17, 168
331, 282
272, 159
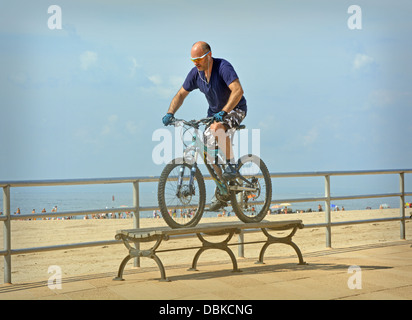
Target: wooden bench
158, 234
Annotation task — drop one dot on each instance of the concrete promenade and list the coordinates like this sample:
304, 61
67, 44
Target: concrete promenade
385, 273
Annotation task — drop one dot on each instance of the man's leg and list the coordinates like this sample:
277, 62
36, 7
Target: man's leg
218, 130
210, 141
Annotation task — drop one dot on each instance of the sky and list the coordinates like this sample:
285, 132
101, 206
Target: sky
84, 100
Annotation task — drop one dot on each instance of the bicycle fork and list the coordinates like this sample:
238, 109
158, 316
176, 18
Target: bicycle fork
191, 190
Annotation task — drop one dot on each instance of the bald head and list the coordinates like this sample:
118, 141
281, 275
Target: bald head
200, 48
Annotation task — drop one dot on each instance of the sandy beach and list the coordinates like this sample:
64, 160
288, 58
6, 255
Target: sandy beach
104, 259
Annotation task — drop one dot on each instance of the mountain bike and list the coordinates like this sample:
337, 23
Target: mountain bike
182, 191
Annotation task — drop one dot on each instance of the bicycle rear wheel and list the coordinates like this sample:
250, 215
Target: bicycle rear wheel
252, 205
181, 204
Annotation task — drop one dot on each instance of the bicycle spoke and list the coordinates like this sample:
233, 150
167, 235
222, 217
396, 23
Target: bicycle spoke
181, 204
251, 204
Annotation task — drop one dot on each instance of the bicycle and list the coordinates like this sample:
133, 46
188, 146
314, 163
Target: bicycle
182, 187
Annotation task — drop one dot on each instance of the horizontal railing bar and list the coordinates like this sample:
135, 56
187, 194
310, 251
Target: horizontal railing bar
63, 182
337, 173
71, 213
70, 182
333, 198
293, 200
62, 247
366, 196
345, 223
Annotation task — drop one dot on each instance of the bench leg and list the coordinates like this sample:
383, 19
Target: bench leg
161, 268
121, 268
152, 256
286, 240
151, 253
206, 245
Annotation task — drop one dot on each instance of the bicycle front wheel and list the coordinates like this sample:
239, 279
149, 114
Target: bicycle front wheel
252, 204
181, 203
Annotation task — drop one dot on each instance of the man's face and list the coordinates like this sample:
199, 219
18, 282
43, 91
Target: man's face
200, 58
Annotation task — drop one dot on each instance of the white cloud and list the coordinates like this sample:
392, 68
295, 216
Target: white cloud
85, 135
388, 98
88, 59
163, 88
176, 81
113, 124
135, 66
155, 79
362, 60
109, 127
160, 91
131, 127
310, 137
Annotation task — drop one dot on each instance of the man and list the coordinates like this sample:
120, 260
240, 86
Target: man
217, 79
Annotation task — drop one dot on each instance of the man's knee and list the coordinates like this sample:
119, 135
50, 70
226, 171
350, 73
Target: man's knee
217, 128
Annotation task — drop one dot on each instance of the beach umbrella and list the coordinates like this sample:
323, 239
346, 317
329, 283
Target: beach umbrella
251, 196
276, 206
285, 204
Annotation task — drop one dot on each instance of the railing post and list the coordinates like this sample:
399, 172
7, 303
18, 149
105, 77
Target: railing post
136, 217
327, 213
7, 234
241, 247
402, 204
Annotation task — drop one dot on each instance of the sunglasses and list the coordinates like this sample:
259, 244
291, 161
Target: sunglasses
200, 58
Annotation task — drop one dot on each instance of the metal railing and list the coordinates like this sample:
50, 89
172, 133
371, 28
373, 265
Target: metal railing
7, 251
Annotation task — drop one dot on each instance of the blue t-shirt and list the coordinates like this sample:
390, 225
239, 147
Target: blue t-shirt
217, 91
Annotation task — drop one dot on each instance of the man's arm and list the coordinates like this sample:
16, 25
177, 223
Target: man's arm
177, 100
235, 95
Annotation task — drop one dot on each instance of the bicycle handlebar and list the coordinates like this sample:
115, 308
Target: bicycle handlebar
193, 123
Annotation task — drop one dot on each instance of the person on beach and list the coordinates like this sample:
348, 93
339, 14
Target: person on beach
217, 79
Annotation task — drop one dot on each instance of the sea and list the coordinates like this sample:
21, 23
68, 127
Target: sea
91, 197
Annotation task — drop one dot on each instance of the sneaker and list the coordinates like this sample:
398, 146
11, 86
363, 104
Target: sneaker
216, 205
230, 172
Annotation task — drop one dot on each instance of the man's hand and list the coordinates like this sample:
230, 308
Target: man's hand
218, 117
167, 119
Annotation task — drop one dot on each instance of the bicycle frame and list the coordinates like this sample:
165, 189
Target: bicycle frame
191, 153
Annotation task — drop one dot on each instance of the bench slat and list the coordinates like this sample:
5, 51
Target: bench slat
208, 228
